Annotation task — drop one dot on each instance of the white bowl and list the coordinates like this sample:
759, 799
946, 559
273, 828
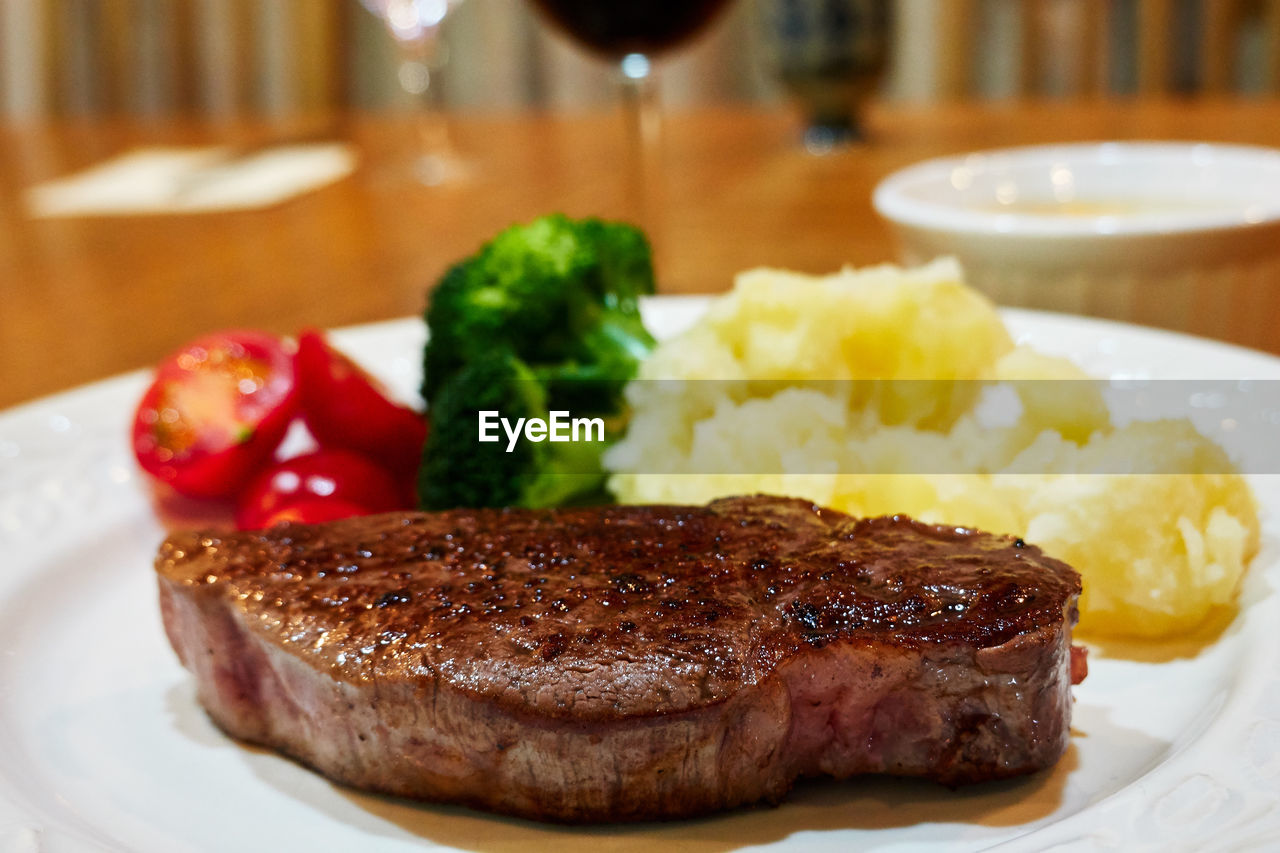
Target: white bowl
1182, 235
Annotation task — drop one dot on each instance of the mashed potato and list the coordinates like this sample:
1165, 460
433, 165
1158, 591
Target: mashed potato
1158, 552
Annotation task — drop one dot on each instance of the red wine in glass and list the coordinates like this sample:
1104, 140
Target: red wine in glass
622, 27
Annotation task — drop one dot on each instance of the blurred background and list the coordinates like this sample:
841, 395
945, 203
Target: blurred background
229, 58
218, 163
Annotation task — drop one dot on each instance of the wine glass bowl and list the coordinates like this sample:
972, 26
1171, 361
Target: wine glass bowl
409, 20
829, 55
625, 27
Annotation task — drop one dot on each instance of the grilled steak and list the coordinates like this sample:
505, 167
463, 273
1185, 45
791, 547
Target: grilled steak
627, 663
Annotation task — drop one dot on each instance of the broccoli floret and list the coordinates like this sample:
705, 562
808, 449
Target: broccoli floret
546, 316
458, 470
562, 296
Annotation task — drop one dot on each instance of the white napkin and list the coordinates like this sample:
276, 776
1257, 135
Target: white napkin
192, 180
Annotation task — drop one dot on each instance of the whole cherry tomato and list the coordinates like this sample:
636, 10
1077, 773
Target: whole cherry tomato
353, 484
346, 407
313, 512
215, 412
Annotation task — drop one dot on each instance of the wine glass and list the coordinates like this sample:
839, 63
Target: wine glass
415, 26
830, 56
630, 33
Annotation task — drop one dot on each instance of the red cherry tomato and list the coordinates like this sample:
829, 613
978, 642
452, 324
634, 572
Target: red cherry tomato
313, 512
340, 477
216, 411
345, 407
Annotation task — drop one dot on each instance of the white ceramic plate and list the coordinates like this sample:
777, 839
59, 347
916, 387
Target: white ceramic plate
102, 745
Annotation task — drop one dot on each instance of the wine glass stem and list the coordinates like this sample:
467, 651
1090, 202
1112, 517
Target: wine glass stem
418, 77
643, 116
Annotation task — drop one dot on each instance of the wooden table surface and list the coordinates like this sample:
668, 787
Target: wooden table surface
84, 298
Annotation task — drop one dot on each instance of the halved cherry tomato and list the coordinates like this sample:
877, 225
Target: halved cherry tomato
313, 512
354, 484
346, 407
216, 412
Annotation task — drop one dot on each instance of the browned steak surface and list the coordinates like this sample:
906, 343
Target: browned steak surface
627, 662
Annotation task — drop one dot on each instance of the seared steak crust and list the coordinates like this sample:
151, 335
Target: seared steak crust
626, 663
